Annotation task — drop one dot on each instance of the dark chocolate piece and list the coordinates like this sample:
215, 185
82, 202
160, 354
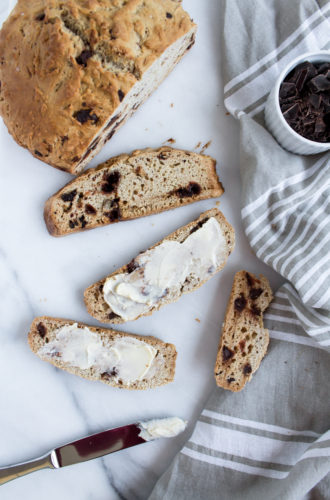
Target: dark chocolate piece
240, 303
83, 115
111, 183
247, 369
89, 209
192, 189
40, 17
121, 95
230, 380
36, 152
226, 353
113, 315
169, 15
69, 196
255, 293
41, 330
84, 56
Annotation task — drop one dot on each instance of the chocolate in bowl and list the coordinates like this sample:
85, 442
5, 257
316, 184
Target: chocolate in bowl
304, 99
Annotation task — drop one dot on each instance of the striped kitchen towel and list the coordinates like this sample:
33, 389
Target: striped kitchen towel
272, 440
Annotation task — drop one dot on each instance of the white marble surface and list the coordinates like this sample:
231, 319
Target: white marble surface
42, 407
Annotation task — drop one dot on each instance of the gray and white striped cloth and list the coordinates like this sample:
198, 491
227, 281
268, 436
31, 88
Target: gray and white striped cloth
272, 440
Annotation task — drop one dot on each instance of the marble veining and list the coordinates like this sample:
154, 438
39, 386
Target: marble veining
43, 407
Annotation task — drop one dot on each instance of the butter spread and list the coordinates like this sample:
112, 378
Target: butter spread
161, 271
162, 427
126, 358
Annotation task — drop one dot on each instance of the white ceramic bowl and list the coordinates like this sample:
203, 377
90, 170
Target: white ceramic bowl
277, 124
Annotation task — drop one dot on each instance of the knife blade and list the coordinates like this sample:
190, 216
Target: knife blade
96, 445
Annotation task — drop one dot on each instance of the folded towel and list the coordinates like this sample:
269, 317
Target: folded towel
272, 440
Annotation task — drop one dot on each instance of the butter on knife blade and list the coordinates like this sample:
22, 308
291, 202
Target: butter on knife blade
97, 445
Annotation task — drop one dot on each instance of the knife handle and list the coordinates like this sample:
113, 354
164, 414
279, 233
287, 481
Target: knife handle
15, 471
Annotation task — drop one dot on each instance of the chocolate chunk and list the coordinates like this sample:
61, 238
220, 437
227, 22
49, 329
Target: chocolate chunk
112, 315
109, 374
199, 225
162, 156
255, 293
114, 215
111, 183
82, 221
191, 190
112, 121
287, 89
247, 369
255, 310
41, 330
69, 196
169, 15
131, 266
121, 95
315, 100
240, 303
226, 353
36, 152
71, 224
319, 83
249, 279
40, 17
230, 380
89, 209
84, 56
64, 138
83, 115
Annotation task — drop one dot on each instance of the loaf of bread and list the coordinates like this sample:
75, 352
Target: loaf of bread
73, 71
130, 186
244, 340
178, 264
118, 359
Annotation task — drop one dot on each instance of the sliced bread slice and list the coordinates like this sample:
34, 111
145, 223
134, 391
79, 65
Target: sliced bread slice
104, 355
129, 186
100, 309
244, 340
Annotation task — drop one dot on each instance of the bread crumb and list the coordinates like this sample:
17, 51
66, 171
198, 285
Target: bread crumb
170, 141
227, 113
172, 105
198, 145
206, 145
198, 320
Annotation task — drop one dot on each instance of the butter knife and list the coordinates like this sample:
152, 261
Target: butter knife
96, 445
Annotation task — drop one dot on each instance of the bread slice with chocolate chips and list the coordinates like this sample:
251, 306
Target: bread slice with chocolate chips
118, 359
244, 340
178, 264
129, 186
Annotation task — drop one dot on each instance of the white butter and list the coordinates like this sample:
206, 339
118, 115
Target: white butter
162, 271
127, 359
162, 427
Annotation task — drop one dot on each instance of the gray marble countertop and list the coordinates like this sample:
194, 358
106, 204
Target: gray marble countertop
42, 407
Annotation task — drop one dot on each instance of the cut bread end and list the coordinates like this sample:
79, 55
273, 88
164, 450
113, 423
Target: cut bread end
43, 331
138, 94
93, 295
244, 340
131, 186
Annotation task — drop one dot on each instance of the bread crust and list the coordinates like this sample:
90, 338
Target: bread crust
66, 67
93, 295
199, 170
168, 351
244, 340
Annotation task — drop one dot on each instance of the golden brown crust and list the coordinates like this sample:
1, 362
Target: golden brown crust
244, 340
65, 67
93, 295
63, 218
49, 325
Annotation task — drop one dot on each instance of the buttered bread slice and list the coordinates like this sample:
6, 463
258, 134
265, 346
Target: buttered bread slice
178, 264
130, 186
116, 358
244, 340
